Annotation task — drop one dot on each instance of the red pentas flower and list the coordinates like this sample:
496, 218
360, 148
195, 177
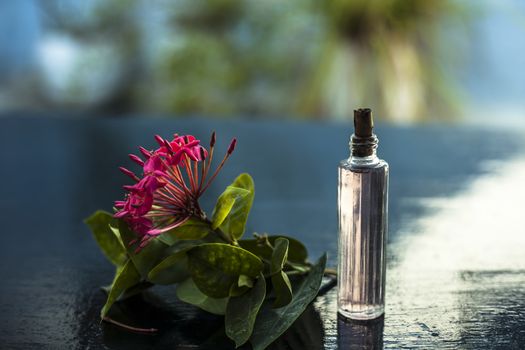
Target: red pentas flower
174, 176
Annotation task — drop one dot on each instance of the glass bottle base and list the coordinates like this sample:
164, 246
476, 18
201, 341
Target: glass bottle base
369, 313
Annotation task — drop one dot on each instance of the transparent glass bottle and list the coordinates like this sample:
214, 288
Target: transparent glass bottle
363, 215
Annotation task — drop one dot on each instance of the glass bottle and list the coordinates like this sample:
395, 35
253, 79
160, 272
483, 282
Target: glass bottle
363, 213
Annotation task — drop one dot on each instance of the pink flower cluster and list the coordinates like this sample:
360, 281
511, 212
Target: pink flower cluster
174, 176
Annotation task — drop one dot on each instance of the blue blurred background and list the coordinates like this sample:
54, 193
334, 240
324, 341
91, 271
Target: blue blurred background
410, 60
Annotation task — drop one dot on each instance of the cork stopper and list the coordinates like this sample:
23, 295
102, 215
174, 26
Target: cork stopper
363, 142
363, 123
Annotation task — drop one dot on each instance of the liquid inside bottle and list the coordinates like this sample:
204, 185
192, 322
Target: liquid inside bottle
363, 212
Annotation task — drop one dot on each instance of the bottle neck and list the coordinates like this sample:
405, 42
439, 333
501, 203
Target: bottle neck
363, 150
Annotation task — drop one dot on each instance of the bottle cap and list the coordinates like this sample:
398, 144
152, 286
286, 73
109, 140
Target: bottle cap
363, 122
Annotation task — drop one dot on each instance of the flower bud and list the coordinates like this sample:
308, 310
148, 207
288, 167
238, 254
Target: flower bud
136, 159
168, 147
145, 152
129, 173
232, 145
159, 140
212, 140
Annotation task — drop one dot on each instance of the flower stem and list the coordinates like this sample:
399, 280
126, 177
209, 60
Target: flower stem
130, 328
225, 237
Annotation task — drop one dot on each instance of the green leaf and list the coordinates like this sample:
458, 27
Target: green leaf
236, 290
215, 267
171, 270
125, 278
281, 283
297, 252
136, 289
282, 289
279, 255
116, 232
242, 311
188, 292
109, 243
149, 256
272, 323
225, 204
245, 281
132, 291
193, 228
233, 206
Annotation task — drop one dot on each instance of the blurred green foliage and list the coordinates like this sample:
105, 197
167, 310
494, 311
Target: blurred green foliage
391, 55
284, 58
235, 57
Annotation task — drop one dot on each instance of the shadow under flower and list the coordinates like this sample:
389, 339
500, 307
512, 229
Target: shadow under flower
182, 326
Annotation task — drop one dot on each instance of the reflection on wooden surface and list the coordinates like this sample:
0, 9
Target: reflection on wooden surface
365, 335
459, 276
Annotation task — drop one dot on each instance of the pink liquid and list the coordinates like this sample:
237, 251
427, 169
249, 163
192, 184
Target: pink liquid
362, 206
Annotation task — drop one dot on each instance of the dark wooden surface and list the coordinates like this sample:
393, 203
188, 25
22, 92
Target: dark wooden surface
456, 267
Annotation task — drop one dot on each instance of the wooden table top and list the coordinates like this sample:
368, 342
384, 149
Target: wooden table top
456, 262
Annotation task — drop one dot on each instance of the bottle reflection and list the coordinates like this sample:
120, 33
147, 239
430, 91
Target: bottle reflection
353, 334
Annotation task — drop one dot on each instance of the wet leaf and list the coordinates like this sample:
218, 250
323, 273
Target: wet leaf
241, 312
297, 252
279, 255
236, 290
125, 278
280, 282
189, 293
215, 267
245, 281
272, 323
225, 204
149, 256
282, 289
132, 291
136, 289
191, 230
171, 270
233, 206
109, 243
